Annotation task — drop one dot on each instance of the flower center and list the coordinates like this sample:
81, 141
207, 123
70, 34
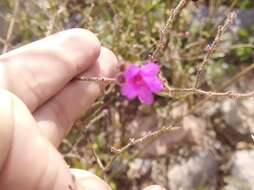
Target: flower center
137, 79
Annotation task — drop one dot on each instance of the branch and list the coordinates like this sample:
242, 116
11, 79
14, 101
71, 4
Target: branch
229, 94
96, 156
168, 26
11, 27
52, 21
134, 142
96, 79
211, 48
207, 98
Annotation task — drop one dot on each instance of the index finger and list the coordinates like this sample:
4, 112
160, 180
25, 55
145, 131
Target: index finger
37, 71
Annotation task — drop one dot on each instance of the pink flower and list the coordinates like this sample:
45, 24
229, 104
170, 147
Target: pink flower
141, 82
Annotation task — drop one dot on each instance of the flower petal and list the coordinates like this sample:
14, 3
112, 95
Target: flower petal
154, 84
131, 71
145, 95
129, 91
150, 69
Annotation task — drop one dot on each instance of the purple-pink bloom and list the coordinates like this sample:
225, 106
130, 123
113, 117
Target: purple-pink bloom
142, 82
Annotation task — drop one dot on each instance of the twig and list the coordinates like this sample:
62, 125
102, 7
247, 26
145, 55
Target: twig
151, 8
237, 76
97, 116
96, 156
168, 26
53, 20
242, 46
225, 85
211, 48
11, 27
142, 139
133, 142
97, 159
96, 79
232, 6
2, 40
229, 94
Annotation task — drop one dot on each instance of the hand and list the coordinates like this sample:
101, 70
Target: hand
39, 102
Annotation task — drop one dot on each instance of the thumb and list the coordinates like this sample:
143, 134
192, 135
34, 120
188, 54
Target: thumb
27, 160
88, 181
154, 187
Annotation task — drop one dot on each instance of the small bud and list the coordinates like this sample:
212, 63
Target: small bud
122, 66
208, 48
220, 29
232, 16
105, 111
186, 34
120, 79
151, 58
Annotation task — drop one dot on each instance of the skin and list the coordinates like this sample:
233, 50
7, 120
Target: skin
39, 101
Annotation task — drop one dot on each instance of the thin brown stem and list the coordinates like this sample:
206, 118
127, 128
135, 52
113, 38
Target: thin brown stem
207, 98
211, 48
168, 26
248, 45
228, 94
2, 41
11, 27
97, 159
53, 20
96, 79
140, 140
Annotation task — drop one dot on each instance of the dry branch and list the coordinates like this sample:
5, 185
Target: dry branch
168, 26
11, 27
96, 79
134, 142
228, 94
211, 48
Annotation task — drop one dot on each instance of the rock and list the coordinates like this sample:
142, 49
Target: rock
242, 171
119, 166
159, 171
212, 108
197, 172
239, 115
242, 19
139, 168
195, 127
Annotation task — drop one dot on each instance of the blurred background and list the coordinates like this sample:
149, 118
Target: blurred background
213, 148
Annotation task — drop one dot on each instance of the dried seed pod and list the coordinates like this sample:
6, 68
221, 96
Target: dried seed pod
120, 79
122, 66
